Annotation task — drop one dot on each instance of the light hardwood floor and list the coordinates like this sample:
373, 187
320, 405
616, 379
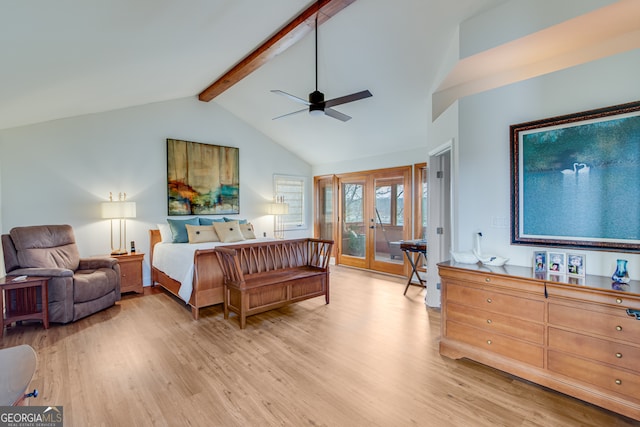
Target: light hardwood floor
370, 358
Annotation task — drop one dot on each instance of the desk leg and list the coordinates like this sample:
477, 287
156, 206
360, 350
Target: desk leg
414, 270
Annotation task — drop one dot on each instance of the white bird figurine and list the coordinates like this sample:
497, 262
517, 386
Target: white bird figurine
492, 260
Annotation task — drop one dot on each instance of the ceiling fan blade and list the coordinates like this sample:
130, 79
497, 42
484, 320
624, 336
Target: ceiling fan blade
348, 98
336, 114
290, 114
292, 97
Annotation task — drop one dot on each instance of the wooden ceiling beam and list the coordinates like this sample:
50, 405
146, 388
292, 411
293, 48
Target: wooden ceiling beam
291, 33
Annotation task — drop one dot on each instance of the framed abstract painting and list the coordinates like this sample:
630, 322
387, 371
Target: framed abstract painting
202, 179
575, 180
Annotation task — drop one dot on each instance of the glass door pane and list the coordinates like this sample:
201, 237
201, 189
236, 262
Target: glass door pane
325, 209
389, 219
353, 219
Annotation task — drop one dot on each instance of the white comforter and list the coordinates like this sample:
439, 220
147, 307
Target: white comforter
176, 261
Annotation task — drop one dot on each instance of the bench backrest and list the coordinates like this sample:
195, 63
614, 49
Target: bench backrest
259, 257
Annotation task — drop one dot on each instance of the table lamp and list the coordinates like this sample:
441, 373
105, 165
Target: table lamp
119, 211
277, 209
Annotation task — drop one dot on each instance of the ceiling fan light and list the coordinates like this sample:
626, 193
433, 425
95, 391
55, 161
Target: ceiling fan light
315, 112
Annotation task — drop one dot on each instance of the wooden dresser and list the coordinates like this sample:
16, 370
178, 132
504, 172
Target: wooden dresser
576, 338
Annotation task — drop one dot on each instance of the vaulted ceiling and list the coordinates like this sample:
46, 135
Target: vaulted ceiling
72, 57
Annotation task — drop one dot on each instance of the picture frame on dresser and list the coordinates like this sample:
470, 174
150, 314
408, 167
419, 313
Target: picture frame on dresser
570, 176
556, 262
540, 261
576, 265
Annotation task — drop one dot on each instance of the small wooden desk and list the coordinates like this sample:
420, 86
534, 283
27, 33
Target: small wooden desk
21, 300
410, 247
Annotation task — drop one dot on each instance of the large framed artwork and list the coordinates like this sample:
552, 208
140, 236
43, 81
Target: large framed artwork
575, 180
202, 179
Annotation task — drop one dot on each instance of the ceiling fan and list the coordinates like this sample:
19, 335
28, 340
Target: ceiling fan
316, 103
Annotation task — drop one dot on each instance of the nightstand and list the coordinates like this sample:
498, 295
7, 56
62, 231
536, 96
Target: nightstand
130, 271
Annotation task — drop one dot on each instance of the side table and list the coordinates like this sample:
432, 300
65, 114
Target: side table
410, 247
21, 300
130, 271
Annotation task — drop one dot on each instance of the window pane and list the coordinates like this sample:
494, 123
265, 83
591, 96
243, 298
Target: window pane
383, 204
291, 190
400, 204
354, 211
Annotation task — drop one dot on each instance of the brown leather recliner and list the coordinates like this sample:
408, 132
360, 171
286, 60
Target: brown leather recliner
78, 287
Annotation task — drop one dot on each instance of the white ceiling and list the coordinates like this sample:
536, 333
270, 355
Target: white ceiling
66, 58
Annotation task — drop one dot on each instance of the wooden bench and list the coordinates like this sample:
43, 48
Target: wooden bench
267, 275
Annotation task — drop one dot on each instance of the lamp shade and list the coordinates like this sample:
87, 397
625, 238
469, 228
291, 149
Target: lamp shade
278, 209
115, 210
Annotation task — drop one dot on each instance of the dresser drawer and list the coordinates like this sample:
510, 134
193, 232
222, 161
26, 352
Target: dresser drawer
591, 296
613, 323
496, 343
496, 322
602, 376
496, 302
601, 350
482, 278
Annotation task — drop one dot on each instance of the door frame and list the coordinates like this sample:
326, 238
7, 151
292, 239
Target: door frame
441, 203
369, 178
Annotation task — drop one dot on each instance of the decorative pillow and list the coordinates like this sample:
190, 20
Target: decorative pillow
210, 221
165, 233
201, 233
178, 229
247, 231
228, 231
241, 221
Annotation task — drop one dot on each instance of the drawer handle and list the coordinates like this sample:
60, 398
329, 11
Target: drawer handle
489, 342
619, 355
619, 382
618, 328
487, 279
489, 321
619, 300
489, 300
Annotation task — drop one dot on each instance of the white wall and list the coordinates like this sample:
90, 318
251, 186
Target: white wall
59, 172
484, 178
389, 160
518, 18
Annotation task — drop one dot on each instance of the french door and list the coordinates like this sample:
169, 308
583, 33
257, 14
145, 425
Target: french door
374, 215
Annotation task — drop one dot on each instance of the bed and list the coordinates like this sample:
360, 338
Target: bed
189, 271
